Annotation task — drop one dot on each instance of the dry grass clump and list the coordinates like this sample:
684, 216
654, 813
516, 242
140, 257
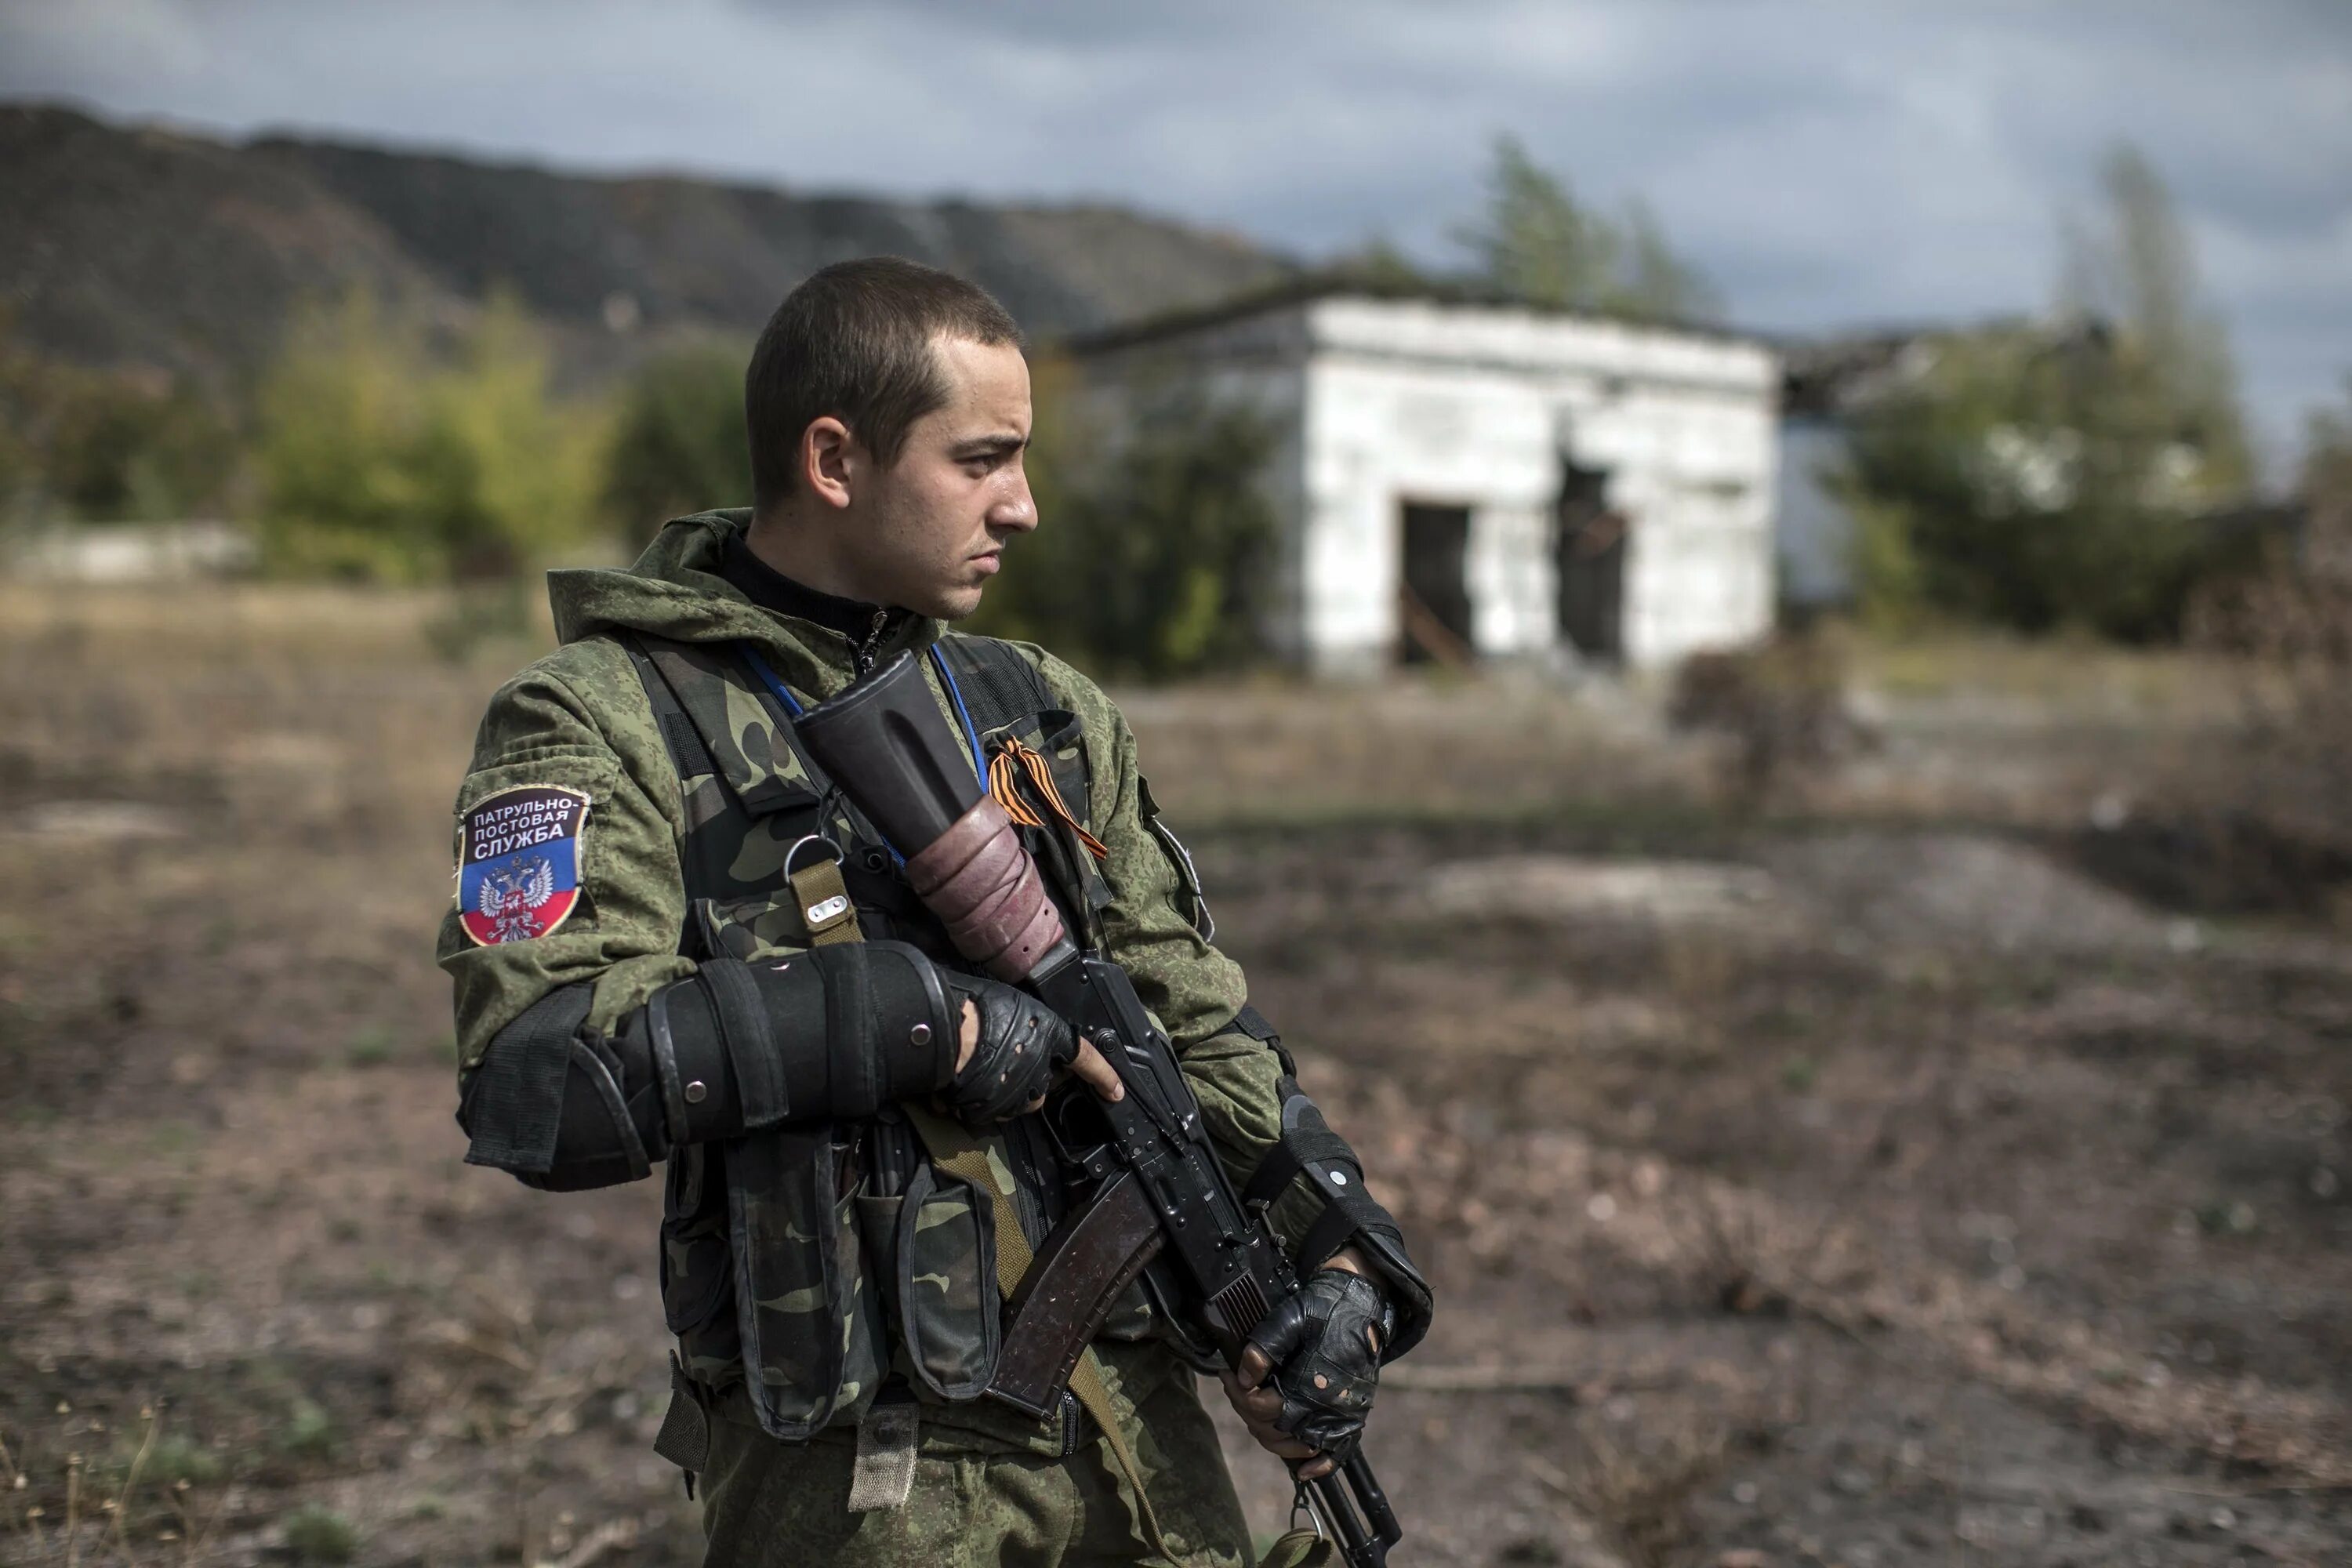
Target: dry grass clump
1781, 709
2271, 809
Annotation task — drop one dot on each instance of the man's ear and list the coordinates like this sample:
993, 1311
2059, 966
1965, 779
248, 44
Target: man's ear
831, 460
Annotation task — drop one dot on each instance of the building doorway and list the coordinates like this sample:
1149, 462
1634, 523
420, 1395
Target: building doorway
1591, 560
1433, 590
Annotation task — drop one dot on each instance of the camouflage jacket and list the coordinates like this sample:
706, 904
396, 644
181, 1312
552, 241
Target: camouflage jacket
581, 720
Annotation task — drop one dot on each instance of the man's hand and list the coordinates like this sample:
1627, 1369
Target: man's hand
1012, 1058
1326, 1342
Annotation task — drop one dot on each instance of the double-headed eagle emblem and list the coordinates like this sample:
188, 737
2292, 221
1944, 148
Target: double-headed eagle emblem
518, 865
512, 893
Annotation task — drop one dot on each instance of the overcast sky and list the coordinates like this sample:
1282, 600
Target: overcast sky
1828, 162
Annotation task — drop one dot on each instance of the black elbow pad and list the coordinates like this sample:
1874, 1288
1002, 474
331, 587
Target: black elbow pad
549, 1103
834, 1033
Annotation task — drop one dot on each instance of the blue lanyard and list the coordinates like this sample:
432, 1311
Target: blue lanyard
760, 667
939, 662
955, 693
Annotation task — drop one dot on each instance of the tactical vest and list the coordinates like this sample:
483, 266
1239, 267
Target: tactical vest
814, 1263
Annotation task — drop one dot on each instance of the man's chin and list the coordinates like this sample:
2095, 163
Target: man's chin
955, 603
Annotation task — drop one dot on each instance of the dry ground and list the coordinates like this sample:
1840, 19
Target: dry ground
1859, 1184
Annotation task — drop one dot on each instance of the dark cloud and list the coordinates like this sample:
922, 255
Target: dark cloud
1827, 161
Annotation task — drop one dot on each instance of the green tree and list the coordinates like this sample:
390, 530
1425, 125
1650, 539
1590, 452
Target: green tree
2132, 265
1379, 263
20, 405
1659, 283
378, 462
1537, 242
2034, 478
339, 421
513, 471
2326, 471
109, 446
129, 447
678, 443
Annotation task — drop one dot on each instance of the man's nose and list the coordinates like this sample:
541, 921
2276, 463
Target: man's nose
1016, 511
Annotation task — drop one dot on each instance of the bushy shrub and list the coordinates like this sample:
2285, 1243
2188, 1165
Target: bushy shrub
1153, 549
2251, 820
2033, 482
1781, 709
317, 1533
678, 444
140, 448
109, 446
2290, 627
2040, 476
378, 463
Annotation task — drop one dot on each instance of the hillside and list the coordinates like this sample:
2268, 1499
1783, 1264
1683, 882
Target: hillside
126, 245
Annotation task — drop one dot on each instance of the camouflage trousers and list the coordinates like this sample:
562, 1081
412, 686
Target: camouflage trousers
786, 1505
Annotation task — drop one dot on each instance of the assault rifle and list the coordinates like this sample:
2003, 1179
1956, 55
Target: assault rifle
1154, 1200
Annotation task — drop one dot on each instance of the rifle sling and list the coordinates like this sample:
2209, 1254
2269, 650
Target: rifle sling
955, 1150
1069, 1291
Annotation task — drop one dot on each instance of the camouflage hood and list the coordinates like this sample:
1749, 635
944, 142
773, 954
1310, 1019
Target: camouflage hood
675, 590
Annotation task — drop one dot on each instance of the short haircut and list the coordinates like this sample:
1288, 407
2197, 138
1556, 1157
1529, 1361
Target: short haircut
855, 342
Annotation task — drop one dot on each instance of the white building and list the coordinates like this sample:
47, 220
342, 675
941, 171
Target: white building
1459, 479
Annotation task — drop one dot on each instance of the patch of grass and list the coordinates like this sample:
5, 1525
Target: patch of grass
1782, 1021
371, 1045
310, 1432
1641, 1491
2223, 1218
177, 1457
173, 1138
2059, 671
432, 1505
316, 1534
1799, 1074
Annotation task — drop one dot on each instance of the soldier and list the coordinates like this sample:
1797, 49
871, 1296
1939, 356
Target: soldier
675, 943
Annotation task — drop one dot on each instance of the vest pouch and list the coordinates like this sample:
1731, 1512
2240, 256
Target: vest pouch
806, 1313
697, 1276
947, 1291
877, 1227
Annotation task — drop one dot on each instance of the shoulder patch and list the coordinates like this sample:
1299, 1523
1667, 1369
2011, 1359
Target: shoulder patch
519, 872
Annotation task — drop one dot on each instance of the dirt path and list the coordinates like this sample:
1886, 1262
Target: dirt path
1861, 1194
